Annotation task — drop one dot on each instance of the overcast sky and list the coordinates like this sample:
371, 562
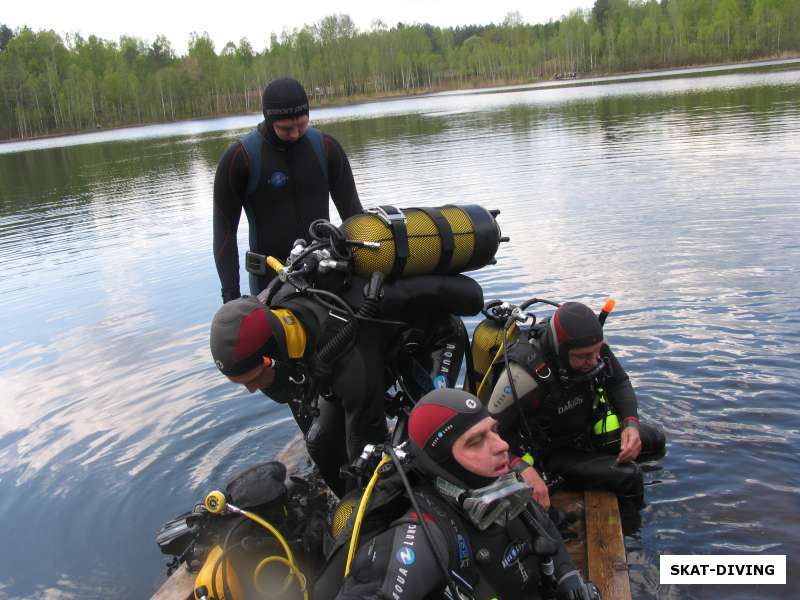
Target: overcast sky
227, 20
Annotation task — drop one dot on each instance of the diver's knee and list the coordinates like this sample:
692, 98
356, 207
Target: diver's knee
627, 480
654, 441
319, 441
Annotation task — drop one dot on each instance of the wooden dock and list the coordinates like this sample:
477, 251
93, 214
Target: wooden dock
598, 550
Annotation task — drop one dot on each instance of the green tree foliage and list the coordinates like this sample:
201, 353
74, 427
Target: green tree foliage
49, 84
5, 35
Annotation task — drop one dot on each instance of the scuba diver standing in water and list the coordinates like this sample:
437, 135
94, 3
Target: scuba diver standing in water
567, 407
282, 174
471, 529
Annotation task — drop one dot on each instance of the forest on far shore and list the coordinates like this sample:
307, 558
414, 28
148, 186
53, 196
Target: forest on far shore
51, 84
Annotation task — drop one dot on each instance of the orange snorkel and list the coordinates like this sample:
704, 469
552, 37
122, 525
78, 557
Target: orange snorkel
607, 308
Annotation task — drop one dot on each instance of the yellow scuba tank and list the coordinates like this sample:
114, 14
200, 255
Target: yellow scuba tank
342, 513
486, 341
419, 241
487, 346
202, 582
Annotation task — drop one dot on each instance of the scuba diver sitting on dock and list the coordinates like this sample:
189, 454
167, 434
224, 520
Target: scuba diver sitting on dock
466, 528
567, 406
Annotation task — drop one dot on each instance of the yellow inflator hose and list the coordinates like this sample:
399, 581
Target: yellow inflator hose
362, 509
506, 333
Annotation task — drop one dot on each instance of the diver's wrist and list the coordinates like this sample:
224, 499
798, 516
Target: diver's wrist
519, 464
630, 422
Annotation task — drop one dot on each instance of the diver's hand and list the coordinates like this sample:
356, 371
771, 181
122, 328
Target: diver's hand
540, 493
630, 444
571, 586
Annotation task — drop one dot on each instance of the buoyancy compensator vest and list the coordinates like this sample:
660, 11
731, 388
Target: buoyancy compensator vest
389, 506
567, 405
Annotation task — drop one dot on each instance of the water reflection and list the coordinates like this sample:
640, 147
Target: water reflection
678, 198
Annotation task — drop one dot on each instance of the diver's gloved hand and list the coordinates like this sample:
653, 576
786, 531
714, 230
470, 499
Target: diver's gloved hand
571, 586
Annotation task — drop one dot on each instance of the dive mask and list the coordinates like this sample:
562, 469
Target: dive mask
498, 502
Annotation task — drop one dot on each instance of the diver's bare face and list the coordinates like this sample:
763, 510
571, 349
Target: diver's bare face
291, 129
255, 379
586, 358
481, 450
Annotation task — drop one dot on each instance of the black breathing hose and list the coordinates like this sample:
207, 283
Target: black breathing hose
337, 345
449, 583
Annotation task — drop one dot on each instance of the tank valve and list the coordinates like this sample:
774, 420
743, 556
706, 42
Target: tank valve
201, 593
215, 502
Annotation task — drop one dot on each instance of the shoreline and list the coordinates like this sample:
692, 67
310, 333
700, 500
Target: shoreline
418, 92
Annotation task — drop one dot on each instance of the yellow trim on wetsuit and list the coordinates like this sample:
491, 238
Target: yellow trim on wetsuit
295, 333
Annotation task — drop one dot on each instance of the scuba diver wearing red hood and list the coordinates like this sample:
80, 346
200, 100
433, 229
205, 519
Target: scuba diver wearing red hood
474, 531
569, 408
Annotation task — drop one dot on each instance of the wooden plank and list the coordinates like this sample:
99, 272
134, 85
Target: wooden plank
605, 547
567, 501
179, 586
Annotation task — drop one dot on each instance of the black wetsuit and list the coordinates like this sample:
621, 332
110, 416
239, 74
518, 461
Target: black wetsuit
560, 416
430, 347
399, 563
291, 193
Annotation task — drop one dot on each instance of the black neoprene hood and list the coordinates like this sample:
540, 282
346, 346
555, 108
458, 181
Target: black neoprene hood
573, 325
284, 98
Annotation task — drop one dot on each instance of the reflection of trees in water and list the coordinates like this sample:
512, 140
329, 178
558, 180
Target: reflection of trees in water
357, 134
759, 104
612, 113
42, 178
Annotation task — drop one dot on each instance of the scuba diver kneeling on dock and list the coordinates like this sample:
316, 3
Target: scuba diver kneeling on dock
569, 407
467, 529
332, 358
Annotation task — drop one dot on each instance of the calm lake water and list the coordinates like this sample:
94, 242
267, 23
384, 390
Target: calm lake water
678, 197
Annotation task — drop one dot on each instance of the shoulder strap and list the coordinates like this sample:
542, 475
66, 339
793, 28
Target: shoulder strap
386, 504
252, 143
314, 136
462, 562
541, 370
